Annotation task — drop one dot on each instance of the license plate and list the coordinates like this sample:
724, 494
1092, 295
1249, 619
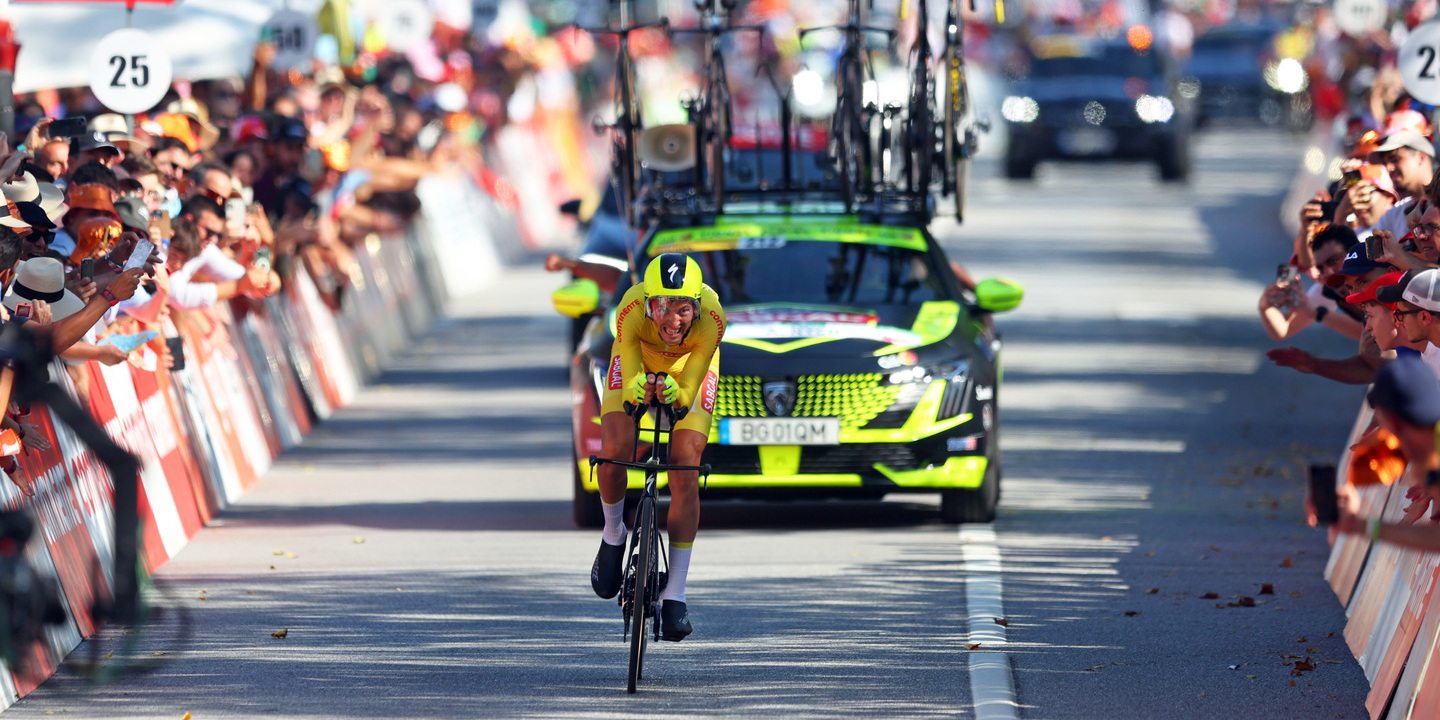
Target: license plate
1086, 141
780, 431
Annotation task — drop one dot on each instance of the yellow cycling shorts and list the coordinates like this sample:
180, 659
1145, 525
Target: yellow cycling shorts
701, 409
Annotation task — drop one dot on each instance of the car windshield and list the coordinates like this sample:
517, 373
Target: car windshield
1227, 54
821, 272
1110, 61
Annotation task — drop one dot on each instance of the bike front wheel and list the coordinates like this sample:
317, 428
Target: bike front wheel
640, 608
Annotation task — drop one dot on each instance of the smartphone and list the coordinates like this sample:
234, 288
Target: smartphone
161, 220
261, 260
1322, 494
1374, 249
1286, 274
177, 351
24, 310
1327, 210
87, 269
140, 254
1349, 179
67, 127
235, 210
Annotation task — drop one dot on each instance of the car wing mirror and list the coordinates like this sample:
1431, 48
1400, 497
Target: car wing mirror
577, 298
998, 295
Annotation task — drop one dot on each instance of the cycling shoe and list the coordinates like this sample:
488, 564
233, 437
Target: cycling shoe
674, 621
605, 574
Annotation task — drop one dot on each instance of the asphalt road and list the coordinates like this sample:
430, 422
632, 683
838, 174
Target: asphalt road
419, 554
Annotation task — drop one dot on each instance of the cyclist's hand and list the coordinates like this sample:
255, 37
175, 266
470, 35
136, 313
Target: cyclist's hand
640, 388
669, 391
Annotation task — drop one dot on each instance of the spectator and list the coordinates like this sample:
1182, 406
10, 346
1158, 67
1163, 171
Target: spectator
1380, 320
191, 253
1416, 298
143, 171
95, 147
86, 201
173, 159
1406, 398
1319, 303
1355, 276
54, 157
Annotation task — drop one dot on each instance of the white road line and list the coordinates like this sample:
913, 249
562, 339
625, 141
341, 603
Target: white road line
991, 687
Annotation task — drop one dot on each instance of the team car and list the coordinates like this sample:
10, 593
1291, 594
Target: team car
1077, 98
854, 365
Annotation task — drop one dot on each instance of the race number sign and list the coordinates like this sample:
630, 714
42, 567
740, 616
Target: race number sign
293, 35
129, 71
1360, 17
405, 23
1419, 62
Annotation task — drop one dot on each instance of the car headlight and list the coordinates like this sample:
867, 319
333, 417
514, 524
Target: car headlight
1154, 108
929, 373
1020, 109
1286, 75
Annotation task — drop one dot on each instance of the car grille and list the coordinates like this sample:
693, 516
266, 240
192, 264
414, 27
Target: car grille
858, 457
854, 458
855, 399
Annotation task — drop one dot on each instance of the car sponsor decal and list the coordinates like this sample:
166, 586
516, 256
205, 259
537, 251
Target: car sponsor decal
617, 380
984, 392
707, 392
835, 330
802, 316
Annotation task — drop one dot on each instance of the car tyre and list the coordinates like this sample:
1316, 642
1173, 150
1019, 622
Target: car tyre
1019, 167
1174, 160
977, 505
586, 506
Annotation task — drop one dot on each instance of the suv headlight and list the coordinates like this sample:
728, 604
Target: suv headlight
1020, 109
1154, 108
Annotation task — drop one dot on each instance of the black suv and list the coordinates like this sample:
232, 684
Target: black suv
1083, 98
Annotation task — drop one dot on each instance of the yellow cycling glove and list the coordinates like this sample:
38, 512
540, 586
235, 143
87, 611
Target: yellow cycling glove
671, 390
637, 388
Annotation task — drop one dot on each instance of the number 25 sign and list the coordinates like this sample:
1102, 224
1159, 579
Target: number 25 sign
129, 71
1420, 63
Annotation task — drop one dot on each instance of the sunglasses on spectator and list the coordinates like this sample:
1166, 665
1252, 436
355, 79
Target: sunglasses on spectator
1398, 313
211, 234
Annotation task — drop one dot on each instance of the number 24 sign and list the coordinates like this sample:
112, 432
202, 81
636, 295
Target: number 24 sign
129, 71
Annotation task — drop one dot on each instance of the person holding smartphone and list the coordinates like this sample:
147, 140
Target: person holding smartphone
1286, 307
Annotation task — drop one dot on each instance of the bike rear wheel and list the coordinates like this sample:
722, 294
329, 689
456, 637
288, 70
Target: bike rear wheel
640, 607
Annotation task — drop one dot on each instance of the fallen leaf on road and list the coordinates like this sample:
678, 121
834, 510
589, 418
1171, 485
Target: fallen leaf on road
272, 567
1209, 596
1295, 594
1292, 683
277, 552
1216, 548
1152, 591
202, 597
1094, 668
1301, 639
109, 654
290, 555
1107, 538
280, 633
1250, 677
1150, 554
157, 654
1131, 613
1302, 666
1267, 589
186, 716
252, 592
1002, 622
1243, 602
1285, 562
359, 540
973, 646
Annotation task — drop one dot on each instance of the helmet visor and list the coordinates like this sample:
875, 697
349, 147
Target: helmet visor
664, 305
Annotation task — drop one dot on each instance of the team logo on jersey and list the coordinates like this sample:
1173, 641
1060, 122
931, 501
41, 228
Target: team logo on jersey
617, 380
707, 392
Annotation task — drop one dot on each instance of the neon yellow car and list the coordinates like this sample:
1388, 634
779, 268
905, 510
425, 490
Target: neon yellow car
854, 365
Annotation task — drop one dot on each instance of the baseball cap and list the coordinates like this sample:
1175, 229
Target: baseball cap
1368, 293
133, 214
1406, 138
291, 130
1379, 178
1407, 387
1421, 289
96, 140
1402, 120
1355, 264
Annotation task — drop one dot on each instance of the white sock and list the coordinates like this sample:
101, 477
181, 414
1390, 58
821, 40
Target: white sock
614, 523
679, 568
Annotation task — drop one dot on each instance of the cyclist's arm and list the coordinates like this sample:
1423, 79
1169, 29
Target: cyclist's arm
625, 360
709, 327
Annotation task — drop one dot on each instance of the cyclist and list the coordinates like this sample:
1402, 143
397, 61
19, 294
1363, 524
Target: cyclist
672, 323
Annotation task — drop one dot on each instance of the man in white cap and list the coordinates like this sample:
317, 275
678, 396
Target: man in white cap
1416, 299
1410, 160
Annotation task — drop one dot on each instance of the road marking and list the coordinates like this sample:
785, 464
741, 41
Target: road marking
992, 690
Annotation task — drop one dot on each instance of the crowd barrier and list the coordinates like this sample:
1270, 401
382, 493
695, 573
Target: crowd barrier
256, 376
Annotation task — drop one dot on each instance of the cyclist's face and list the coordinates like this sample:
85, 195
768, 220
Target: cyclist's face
672, 317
